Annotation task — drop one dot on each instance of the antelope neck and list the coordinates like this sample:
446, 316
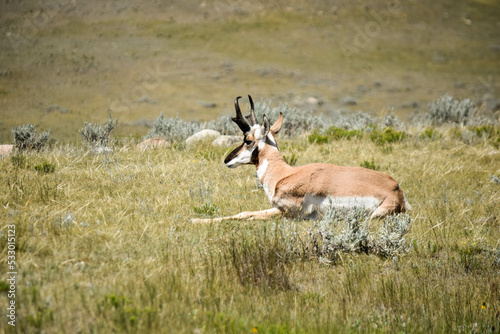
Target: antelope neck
269, 159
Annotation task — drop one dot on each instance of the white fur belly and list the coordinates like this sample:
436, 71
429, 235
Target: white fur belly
321, 204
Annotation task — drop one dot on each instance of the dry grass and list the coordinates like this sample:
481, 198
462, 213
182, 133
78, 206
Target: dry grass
104, 245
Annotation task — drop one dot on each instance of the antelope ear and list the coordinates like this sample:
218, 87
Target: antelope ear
277, 125
266, 125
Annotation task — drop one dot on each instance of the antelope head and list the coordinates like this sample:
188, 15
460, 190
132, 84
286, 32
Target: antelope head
257, 137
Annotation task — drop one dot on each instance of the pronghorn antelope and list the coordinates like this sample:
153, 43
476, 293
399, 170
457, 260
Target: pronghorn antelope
306, 191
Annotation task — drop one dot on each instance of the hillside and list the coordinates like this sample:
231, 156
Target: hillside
72, 60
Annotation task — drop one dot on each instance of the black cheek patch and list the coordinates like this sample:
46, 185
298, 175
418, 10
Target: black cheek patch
233, 154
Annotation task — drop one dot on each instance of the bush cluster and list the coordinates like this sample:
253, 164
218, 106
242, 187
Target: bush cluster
346, 231
172, 129
297, 122
320, 130
45, 168
387, 136
27, 139
447, 110
97, 136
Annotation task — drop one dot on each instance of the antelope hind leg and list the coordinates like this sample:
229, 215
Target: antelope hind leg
247, 215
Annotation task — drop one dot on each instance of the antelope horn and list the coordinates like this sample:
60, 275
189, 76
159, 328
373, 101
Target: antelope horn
239, 119
251, 118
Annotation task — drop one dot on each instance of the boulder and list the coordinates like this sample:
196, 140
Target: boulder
226, 141
152, 143
348, 101
6, 150
202, 136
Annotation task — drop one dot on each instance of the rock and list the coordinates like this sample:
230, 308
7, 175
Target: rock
152, 143
55, 108
208, 105
6, 150
348, 101
202, 136
409, 105
314, 101
226, 141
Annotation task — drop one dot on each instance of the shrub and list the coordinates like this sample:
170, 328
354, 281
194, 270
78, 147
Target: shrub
97, 136
45, 168
387, 136
295, 123
488, 132
26, 138
340, 231
473, 134
390, 240
317, 138
337, 133
448, 110
430, 133
207, 209
392, 121
358, 121
369, 164
346, 231
172, 129
223, 125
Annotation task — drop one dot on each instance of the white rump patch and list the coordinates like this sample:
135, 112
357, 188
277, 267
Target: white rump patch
321, 204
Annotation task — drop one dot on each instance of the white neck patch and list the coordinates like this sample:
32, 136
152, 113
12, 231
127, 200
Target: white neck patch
262, 169
261, 172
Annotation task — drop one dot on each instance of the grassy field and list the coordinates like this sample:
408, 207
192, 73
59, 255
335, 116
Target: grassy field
104, 243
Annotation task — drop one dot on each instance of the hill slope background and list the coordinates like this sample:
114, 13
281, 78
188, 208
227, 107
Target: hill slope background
66, 62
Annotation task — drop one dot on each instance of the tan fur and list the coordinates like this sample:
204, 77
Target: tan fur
294, 183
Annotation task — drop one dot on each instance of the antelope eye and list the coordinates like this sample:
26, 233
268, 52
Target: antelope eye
247, 142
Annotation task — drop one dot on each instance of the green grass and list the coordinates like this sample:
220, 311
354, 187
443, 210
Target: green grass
104, 244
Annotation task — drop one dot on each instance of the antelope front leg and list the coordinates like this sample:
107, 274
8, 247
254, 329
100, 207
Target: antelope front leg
247, 215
